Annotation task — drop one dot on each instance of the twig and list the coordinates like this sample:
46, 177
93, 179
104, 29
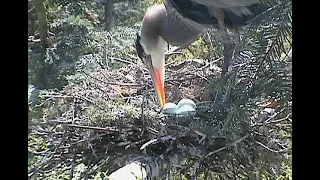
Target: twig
38, 153
49, 122
225, 147
170, 53
271, 117
274, 121
85, 98
272, 150
39, 105
202, 135
133, 56
73, 165
122, 60
152, 130
142, 109
198, 75
216, 60
43, 163
52, 96
36, 166
61, 142
106, 129
39, 131
282, 119
153, 141
89, 100
57, 96
30, 10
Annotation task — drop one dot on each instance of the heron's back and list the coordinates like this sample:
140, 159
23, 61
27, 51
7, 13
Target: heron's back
236, 14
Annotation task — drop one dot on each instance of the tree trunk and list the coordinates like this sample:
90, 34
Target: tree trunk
109, 17
43, 23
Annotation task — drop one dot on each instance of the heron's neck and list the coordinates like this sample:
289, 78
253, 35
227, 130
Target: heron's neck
151, 40
157, 55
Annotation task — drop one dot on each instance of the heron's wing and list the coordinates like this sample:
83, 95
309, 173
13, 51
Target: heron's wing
226, 3
235, 12
238, 7
177, 29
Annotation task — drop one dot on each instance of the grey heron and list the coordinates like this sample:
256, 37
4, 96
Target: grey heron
179, 23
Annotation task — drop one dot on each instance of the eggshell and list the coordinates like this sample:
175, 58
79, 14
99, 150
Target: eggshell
170, 108
185, 101
186, 110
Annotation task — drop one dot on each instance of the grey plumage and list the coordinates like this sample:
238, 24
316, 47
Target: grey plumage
226, 3
180, 22
166, 21
178, 30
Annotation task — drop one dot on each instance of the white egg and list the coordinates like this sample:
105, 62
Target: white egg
189, 102
170, 108
186, 110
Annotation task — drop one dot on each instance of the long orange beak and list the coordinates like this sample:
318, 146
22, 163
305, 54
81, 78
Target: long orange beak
157, 82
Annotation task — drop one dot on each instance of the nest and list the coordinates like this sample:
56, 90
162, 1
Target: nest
107, 118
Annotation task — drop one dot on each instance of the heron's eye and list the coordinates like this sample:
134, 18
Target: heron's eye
146, 55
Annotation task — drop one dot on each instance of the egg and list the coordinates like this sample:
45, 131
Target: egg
170, 108
186, 110
189, 102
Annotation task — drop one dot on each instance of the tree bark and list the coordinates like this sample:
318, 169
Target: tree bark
43, 23
109, 17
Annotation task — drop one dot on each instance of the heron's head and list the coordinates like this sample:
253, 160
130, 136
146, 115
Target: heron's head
152, 55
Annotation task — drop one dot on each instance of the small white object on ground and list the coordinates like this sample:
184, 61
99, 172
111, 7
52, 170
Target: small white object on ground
189, 102
186, 110
170, 108
185, 107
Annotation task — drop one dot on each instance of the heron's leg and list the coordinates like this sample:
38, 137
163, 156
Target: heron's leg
237, 40
227, 46
227, 55
227, 51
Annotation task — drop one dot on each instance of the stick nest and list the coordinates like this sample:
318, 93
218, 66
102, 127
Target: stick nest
106, 118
